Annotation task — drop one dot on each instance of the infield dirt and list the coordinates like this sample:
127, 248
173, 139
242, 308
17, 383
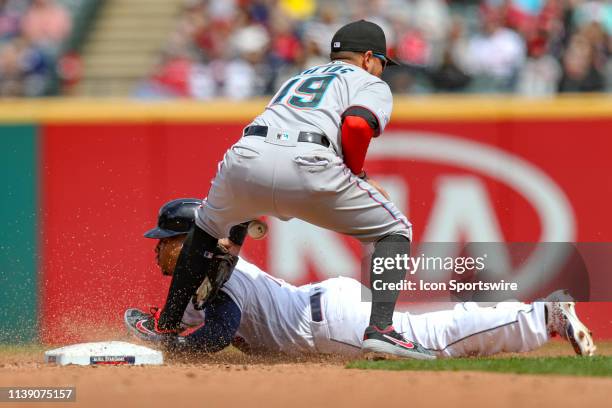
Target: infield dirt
231, 379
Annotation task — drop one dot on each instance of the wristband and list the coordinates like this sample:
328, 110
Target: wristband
238, 233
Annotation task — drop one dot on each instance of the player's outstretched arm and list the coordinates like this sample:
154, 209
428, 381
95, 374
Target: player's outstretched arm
220, 326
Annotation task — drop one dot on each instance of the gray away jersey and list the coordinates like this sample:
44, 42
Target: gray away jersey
315, 100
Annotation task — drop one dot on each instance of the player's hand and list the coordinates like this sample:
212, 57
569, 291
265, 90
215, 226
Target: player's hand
229, 246
378, 187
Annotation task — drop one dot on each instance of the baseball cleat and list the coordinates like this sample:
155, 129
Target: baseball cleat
563, 320
144, 325
390, 342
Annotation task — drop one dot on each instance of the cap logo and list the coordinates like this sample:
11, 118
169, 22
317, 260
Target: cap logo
337, 44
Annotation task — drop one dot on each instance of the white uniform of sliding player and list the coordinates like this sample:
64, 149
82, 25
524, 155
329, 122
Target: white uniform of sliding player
329, 317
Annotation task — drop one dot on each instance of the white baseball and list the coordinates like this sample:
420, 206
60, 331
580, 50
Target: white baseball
257, 229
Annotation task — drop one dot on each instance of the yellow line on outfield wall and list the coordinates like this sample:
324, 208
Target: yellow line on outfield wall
406, 108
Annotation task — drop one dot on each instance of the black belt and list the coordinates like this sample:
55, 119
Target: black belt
316, 311
308, 137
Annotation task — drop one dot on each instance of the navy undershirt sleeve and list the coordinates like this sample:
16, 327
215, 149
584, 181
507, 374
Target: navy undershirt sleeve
222, 318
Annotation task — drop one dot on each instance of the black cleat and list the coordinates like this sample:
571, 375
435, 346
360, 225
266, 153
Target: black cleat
390, 342
144, 325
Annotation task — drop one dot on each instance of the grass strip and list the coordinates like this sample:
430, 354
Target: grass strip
598, 366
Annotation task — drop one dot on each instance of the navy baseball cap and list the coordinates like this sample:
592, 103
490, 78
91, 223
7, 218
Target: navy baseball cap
175, 218
361, 36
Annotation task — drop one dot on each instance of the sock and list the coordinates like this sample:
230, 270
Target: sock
383, 302
189, 273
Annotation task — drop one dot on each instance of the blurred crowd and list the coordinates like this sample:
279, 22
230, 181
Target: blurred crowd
244, 48
31, 33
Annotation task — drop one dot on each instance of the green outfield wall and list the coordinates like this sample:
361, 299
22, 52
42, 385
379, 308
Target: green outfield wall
18, 233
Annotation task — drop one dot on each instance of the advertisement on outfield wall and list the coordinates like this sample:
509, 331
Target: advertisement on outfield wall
514, 181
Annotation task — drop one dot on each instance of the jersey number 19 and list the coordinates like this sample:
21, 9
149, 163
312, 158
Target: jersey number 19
308, 94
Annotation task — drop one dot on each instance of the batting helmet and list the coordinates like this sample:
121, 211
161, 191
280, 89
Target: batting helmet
175, 218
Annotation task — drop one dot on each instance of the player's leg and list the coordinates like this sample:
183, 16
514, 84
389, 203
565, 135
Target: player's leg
345, 316
506, 327
380, 335
221, 214
466, 330
336, 199
470, 330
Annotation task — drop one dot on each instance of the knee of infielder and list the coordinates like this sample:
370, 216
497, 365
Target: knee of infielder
398, 230
390, 246
398, 237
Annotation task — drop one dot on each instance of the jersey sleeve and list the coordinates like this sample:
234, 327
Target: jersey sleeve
357, 131
376, 97
220, 326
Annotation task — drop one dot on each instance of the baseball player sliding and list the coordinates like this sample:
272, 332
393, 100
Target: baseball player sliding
303, 158
261, 314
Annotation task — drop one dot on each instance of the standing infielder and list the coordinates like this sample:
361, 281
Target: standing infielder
303, 158
261, 314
